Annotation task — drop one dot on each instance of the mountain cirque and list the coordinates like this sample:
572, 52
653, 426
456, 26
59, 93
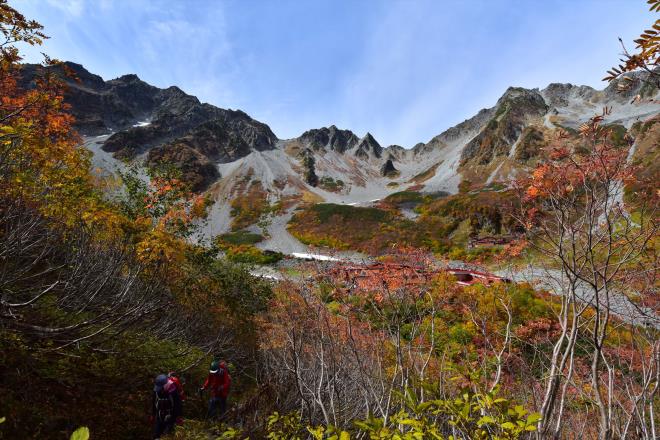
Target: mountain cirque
219, 150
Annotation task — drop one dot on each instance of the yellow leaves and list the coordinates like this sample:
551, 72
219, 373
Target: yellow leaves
81, 433
104, 220
158, 247
7, 130
143, 223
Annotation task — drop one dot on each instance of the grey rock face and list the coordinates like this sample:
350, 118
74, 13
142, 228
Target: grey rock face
178, 115
559, 95
395, 152
512, 112
469, 127
388, 169
368, 146
175, 126
98, 105
329, 138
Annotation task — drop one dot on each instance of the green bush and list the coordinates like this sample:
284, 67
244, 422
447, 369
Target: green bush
248, 254
329, 184
405, 197
240, 237
326, 210
472, 415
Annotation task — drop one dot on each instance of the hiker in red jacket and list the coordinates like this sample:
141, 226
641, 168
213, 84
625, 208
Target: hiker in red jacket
177, 381
218, 382
174, 378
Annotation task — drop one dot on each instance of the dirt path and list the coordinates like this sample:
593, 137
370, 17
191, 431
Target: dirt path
280, 239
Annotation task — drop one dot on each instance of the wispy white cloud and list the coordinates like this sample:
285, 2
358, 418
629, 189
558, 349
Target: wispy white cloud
72, 8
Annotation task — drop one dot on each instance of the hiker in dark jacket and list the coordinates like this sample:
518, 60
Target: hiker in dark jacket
166, 405
218, 382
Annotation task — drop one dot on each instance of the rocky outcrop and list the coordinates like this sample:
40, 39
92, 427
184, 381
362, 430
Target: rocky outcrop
464, 130
368, 147
638, 83
388, 169
329, 138
395, 152
531, 143
100, 106
513, 112
167, 123
341, 141
196, 169
561, 95
223, 135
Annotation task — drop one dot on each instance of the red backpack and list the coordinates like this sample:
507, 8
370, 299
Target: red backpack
179, 386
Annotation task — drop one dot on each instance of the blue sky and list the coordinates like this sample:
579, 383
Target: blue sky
402, 70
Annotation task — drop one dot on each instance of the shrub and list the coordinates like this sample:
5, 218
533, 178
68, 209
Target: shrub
248, 254
240, 237
329, 184
404, 197
324, 211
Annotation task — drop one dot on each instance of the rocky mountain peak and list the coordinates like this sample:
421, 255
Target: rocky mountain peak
131, 77
368, 146
514, 92
636, 84
561, 94
331, 138
526, 99
512, 113
174, 91
395, 152
86, 78
168, 124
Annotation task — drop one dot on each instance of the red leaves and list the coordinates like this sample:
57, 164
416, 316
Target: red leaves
573, 171
559, 153
538, 330
514, 249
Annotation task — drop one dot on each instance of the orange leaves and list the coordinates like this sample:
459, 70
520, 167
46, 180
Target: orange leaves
571, 172
533, 191
515, 248
647, 57
541, 180
199, 206
46, 167
540, 172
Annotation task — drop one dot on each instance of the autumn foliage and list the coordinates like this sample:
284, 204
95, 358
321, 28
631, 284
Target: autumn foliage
100, 289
